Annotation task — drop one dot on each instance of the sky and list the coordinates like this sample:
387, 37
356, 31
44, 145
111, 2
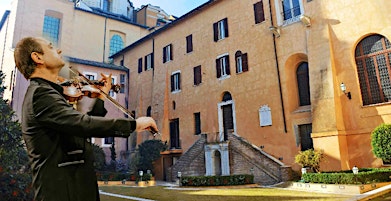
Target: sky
172, 7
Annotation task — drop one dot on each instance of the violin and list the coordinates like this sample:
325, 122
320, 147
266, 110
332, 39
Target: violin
74, 89
92, 90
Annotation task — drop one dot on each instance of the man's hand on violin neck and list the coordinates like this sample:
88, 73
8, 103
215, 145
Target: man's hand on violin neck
107, 83
145, 123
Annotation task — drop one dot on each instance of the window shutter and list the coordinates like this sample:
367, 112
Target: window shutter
197, 75
179, 80
152, 62
244, 62
215, 32
189, 43
146, 62
172, 83
227, 67
218, 70
164, 54
171, 52
226, 27
259, 12
140, 65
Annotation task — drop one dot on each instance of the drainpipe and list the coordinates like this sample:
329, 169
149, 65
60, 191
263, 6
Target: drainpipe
278, 70
104, 40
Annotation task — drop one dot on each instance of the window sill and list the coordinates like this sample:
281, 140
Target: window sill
224, 77
301, 109
176, 91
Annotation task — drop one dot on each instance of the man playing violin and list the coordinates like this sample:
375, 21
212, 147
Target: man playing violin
57, 136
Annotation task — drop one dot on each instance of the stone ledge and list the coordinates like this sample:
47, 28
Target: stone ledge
336, 188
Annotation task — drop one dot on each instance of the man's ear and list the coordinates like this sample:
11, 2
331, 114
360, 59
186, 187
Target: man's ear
36, 57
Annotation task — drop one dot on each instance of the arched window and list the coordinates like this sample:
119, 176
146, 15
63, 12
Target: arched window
227, 96
373, 67
241, 62
303, 84
116, 44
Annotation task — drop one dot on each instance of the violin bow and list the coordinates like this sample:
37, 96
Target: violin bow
114, 102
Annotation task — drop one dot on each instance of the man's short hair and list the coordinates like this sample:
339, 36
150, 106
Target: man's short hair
22, 55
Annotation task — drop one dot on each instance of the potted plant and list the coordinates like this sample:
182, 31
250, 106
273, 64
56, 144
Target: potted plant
309, 159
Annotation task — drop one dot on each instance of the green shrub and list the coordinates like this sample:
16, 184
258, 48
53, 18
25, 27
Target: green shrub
364, 176
380, 141
99, 157
217, 180
310, 158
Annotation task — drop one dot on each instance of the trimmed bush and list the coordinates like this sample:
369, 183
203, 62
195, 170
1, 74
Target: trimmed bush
309, 159
364, 176
217, 180
380, 141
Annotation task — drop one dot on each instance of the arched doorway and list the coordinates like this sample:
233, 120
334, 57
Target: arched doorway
226, 110
217, 162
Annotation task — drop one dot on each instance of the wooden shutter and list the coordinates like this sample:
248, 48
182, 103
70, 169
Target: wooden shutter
244, 62
152, 62
215, 32
259, 12
170, 52
197, 75
226, 27
146, 62
172, 83
140, 65
179, 80
227, 66
218, 70
189, 43
164, 54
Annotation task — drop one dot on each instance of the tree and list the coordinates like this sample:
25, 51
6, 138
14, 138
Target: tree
149, 151
310, 159
15, 180
380, 141
99, 157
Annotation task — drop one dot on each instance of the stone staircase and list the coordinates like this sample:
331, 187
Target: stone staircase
244, 158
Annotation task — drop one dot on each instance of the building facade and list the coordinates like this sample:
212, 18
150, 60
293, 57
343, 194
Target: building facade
88, 32
269, 71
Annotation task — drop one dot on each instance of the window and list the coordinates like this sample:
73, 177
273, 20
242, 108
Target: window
116, 44
90, 75
222, 67
113, 81
167, 53
220, 29
149, 111
108, 141
149, 62
373, 59
189, 43
106, 5
176, 81
197, 75
197, 123
51, 29
140, 65
259, 13
122, 80
303, 84
291, 10
241, 62
174, 134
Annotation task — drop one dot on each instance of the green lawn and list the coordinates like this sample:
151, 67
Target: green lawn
248, 194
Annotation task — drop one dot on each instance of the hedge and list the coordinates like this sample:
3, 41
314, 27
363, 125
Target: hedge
364, 176
217, 180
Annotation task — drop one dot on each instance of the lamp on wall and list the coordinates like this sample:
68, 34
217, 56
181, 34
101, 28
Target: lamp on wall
275, 31
343, 89
305, 20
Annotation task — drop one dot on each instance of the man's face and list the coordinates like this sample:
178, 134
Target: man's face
51, 56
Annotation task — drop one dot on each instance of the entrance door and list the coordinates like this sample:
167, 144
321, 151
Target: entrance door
228, 120
305, 131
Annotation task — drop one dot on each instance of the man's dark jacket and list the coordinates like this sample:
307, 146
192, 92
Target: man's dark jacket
58, 142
